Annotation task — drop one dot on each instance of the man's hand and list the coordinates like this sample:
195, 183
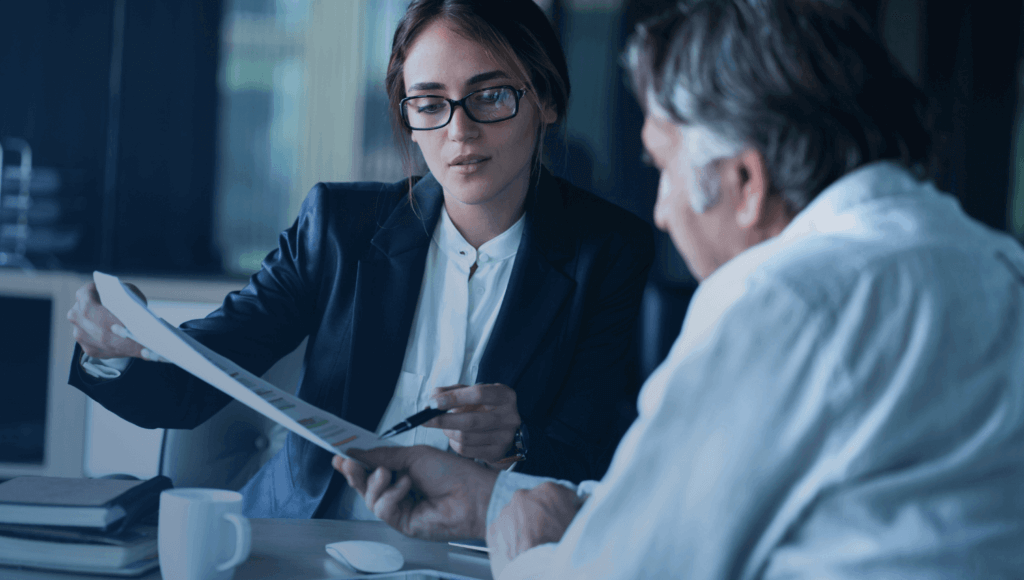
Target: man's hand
483, 420
98, 331
421, 491
533, 517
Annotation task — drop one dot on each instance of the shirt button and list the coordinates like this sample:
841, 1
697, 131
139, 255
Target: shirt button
484, 258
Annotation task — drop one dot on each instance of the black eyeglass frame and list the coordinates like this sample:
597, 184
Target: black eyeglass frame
460, 103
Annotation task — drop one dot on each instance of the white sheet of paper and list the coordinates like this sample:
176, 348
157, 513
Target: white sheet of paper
318, 426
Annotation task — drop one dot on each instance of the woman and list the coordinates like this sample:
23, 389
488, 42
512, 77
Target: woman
490, 286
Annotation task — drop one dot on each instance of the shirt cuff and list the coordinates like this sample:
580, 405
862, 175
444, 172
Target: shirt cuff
532, 563
104, 368
507, 484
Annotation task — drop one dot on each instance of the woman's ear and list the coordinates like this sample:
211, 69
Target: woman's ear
548, 114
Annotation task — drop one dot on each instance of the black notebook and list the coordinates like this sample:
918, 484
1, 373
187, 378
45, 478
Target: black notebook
78, 502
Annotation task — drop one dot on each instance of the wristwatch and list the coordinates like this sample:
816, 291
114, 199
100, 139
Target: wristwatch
520, 445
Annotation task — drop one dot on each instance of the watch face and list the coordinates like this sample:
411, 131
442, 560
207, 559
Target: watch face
519, 441
518, 451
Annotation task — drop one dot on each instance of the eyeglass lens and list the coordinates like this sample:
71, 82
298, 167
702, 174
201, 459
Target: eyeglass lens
483, 106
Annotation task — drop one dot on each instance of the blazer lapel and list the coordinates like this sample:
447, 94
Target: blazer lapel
388, 281
537, 288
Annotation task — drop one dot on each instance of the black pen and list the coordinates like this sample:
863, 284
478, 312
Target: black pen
413, 422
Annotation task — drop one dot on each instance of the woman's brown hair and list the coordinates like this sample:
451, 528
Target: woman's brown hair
516, 34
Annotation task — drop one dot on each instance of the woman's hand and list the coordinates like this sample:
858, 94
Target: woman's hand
98, 331
483, 421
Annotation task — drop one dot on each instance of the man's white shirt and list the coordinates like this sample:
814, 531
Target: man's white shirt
845, 400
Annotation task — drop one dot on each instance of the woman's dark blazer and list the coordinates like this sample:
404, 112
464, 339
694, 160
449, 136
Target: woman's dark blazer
348, 273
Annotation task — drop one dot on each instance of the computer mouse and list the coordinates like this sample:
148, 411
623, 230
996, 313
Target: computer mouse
366, 556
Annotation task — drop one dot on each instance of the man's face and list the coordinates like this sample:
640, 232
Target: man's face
706, 240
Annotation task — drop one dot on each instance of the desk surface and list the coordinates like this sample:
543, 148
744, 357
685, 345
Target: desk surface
294, 550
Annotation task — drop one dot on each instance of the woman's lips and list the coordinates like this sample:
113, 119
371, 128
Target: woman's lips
469, 164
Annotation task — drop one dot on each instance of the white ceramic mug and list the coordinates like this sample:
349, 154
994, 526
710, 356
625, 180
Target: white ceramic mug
202, 534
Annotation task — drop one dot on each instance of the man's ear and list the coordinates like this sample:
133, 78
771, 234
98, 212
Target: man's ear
751, 176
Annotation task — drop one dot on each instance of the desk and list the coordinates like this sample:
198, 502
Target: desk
284, 549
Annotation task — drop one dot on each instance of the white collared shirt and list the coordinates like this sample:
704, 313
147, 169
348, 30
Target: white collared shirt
454, 318
845, 401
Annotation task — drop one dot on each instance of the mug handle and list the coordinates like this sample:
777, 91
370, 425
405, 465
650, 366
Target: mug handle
243, 541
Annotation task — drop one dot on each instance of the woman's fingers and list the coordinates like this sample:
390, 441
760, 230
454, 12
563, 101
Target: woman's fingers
493, 394
477, 421
490, 446
477, 439
483, 420
152, 356
120, 331
488, 453
439, 390
87, 293
91, 327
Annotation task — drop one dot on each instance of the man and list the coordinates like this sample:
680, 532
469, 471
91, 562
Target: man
846, 399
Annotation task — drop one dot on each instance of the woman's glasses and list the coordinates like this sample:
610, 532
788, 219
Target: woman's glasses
490, 105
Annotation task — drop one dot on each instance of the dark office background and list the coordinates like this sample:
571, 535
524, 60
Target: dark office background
145, 120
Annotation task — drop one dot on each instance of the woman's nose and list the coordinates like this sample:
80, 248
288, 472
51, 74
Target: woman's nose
461, 127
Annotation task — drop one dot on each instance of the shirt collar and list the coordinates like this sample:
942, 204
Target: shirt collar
868, 184
451, 242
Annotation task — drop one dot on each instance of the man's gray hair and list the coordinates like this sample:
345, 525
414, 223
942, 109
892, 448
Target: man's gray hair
706, 149
807, 83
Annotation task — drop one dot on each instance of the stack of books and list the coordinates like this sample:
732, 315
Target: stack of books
101, 526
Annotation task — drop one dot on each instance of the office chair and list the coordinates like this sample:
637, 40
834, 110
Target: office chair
230, 447
662, 311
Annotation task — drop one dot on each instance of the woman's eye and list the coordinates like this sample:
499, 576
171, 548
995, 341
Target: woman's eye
429, 109
488, 97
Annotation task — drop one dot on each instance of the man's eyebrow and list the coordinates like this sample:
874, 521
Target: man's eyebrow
475, 79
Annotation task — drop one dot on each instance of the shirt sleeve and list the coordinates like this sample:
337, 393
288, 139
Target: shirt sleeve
509, 482
254, 328
725, 429
529, 565
104, 368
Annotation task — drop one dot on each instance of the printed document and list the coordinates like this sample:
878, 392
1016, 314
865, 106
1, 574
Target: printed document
318, 426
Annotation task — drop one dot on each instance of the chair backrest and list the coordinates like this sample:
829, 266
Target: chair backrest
661, 319
229, 448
